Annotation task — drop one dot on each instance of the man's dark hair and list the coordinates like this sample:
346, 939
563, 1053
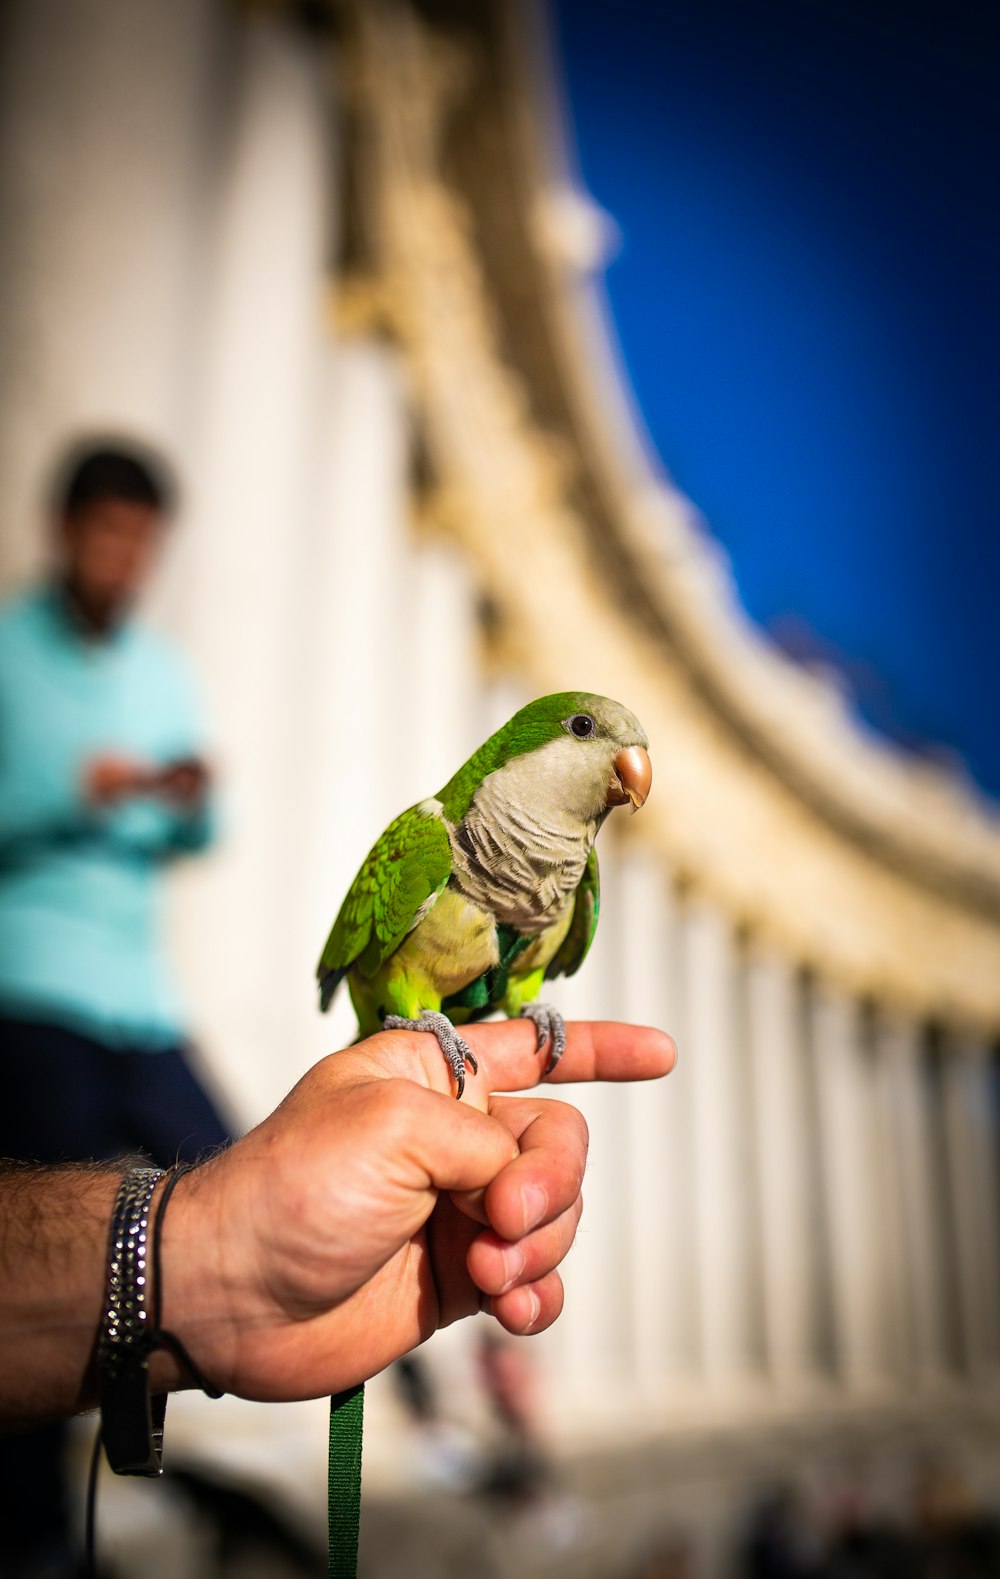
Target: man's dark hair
91, 472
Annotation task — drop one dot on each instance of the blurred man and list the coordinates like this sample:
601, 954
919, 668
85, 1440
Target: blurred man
102, 783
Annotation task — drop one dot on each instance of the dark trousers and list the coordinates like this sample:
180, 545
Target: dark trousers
67, 1098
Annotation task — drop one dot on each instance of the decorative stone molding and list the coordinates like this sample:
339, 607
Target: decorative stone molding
466, 242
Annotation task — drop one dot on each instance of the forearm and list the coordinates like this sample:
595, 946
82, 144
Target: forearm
32, 814
54, 1228
53, 1256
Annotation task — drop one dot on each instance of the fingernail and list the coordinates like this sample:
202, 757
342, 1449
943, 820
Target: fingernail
536, 1203
513, 1266
536, 1306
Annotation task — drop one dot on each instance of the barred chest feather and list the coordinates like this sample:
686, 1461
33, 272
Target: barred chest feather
519, 855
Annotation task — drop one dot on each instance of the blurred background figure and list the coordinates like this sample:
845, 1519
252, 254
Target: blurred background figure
520, 1476
445, 1453
957, 1536
667, 1556
521, 1470
103, 782
780, 1542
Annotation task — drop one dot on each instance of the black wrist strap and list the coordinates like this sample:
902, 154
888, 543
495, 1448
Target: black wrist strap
158, 1336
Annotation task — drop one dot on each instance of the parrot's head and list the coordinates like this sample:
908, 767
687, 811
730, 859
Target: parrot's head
580, 752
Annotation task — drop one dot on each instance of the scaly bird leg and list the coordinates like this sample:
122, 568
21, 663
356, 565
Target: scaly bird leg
456, 1052
550, 1026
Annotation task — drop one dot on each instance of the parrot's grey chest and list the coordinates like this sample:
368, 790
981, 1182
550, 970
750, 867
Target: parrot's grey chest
521, 861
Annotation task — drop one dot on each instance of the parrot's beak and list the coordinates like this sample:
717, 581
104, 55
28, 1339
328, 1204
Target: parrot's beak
631, 779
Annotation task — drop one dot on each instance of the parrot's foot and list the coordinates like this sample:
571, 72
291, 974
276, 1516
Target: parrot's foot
457, 1053
550, 1026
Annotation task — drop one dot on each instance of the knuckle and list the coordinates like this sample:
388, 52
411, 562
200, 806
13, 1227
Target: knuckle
392, 1113
396, 1101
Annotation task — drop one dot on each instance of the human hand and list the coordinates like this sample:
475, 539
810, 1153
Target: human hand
372, 1208
107, 779
183, 782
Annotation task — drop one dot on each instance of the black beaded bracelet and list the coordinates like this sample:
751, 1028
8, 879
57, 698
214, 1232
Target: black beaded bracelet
131, 1428
132, 1421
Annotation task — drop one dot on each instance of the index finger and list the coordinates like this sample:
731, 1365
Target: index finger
595, 1050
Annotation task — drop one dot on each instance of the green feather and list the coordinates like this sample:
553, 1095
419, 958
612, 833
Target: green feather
482, 995
405, 869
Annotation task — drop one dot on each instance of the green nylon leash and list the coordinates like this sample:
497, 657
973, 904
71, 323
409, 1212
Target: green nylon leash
346, 1419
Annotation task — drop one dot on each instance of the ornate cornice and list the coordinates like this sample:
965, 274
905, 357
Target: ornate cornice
467, 243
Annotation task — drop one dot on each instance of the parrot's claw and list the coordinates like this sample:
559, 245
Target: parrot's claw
457, 1053
550, 1027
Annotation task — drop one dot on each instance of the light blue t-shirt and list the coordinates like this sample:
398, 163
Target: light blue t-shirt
80, 941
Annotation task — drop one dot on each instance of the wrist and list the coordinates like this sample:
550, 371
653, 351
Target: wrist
193, 1296
131, 1420
132, 1388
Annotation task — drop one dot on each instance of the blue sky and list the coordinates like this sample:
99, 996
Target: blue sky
806, 301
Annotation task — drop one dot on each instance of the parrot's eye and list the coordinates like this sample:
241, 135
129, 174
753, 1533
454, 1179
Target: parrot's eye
581, 725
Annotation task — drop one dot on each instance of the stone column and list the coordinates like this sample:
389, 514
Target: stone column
245, 585
920, 1209
972, 1132
784, 1131
357, 729
594, 1344
660, 1221
106, 144
849, 1184
724, 1191
896, 1314
504, 695
439, 677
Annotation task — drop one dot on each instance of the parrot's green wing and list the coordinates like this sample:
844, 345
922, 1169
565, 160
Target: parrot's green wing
573, 951
401, 877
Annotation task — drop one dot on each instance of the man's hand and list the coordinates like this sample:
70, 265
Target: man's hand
110, 779
184, 782
372, 1208
368, 1210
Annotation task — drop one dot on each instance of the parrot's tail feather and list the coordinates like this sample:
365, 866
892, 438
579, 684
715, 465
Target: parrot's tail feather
329, 981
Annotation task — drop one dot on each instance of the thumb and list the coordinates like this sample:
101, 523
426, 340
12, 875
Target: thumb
453, 1146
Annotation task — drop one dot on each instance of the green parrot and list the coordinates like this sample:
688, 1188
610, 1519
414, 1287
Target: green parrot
474, 897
